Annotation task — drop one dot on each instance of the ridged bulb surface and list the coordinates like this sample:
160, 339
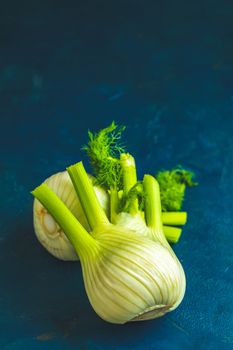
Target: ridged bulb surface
47, 230
131, 278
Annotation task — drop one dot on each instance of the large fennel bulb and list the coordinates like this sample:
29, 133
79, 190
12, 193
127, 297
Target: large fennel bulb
127, 276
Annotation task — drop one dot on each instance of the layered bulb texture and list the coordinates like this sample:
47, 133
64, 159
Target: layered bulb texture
129, 270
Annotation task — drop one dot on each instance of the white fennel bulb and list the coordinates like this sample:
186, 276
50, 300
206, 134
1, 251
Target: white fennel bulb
48, 232
128, 277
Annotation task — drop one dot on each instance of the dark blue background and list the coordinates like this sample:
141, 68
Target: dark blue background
164, 69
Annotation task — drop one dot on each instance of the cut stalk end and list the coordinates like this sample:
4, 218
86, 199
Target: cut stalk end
176, 218
172, 234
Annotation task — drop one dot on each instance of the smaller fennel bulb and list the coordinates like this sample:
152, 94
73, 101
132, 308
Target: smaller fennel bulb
48, 232
127, 277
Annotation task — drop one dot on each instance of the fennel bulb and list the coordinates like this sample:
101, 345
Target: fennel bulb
127, 277
48, 232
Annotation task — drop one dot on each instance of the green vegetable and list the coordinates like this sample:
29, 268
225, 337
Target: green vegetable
103, 150
127, 276
173, 184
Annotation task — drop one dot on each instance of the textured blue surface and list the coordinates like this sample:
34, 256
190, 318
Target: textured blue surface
165, 69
